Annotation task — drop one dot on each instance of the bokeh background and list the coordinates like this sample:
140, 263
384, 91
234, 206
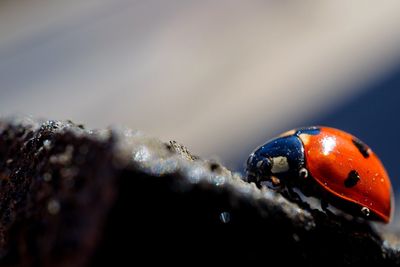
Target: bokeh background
220, 77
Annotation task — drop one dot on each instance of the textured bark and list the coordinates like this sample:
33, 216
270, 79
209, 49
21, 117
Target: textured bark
74, 197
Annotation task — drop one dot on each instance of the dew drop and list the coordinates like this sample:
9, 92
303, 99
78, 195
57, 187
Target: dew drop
47, 144
53, 207
225, 217
195, 175
296, 237
47, 177
63, 158
303, 173
141, 155
365, 211
219, 180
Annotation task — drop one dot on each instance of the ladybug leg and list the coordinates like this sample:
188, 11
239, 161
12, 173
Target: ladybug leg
325, 208
275, 181
295, 197
251, 179
271, 182
324, 205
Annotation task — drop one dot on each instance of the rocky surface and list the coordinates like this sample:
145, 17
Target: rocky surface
76, 197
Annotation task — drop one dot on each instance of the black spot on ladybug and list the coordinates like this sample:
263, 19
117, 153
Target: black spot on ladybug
352, 179
363, 148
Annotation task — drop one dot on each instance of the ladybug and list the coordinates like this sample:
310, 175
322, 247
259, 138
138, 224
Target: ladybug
328, 164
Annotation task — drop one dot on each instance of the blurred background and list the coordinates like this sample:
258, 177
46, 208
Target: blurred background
221, 77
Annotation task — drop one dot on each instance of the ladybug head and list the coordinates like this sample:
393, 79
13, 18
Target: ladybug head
279, 158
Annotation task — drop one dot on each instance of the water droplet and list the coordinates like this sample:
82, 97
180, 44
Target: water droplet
47, 144
63, 158
225, 217
382, 180
47, 177
303, 173
219, 180
245, 189
141, 155
9, 161
53, 207
296, 237
365, 211
195, 174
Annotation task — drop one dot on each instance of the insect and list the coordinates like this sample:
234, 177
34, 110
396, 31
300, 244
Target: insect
328, 164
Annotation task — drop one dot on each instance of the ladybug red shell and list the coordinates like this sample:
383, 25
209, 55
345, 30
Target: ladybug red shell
329, 164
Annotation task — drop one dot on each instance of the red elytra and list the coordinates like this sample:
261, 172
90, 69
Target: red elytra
326, 163
349, 170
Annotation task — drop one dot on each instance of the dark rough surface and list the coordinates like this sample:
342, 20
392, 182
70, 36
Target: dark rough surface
73, 197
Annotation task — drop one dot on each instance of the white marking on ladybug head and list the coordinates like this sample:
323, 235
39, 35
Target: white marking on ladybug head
279, 165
